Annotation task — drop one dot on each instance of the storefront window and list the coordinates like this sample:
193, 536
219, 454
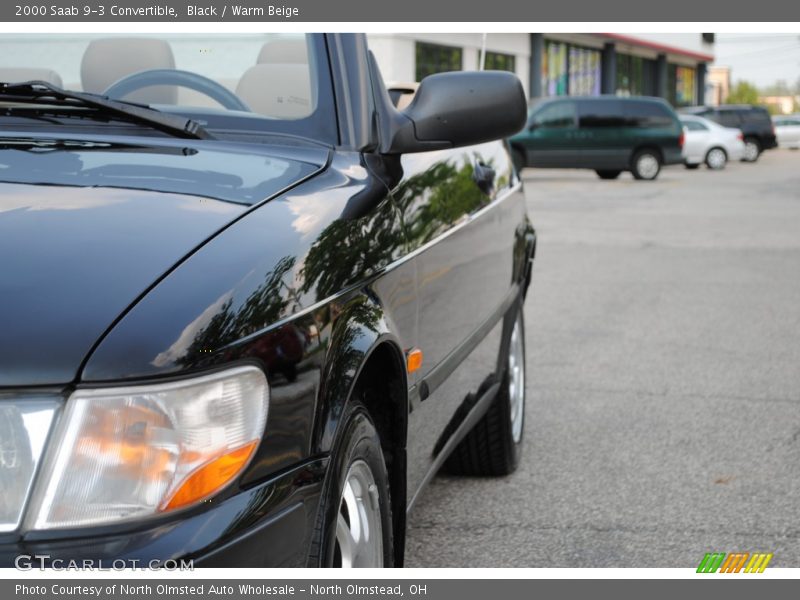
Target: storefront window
496, 61
555, 76
584, 71
568, 69
630, 75
434, 58
684, 86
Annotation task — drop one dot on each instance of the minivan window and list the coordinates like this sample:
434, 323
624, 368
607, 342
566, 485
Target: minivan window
646, 114
555, 115
600, 113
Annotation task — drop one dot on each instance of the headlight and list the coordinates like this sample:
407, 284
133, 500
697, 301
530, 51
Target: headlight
24, 425
135, 451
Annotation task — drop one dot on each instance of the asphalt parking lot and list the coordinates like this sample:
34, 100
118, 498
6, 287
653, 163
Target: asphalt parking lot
663, 341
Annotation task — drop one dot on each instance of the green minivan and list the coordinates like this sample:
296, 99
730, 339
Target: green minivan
605, 133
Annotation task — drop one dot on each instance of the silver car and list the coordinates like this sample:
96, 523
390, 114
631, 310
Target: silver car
710, 143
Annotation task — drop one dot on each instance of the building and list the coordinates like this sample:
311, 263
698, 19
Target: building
670, 65
719, 85
780, 105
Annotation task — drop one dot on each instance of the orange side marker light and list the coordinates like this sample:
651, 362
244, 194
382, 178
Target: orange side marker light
414, 360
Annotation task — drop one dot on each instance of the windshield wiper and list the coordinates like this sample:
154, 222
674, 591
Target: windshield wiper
47, 93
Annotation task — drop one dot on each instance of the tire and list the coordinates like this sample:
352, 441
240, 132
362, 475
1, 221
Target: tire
357, 483
752, 150
691, 166
605, 174
716, 158
494, 445
646, 164
519, 159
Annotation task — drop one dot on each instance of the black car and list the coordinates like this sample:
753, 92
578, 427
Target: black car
604, 133
754, 122
244, 321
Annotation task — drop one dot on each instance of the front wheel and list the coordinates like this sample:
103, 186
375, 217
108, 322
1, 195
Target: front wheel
494, 445
354, 524
646, 164
752, 150
716, 159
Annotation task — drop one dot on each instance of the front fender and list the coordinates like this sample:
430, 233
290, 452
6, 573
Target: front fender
360, 328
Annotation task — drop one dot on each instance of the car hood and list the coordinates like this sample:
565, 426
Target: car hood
86, 230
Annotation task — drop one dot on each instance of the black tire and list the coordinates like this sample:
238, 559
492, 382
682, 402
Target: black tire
646, 164
752, 149
606, 174
716, 158
489, 449
357, 441
692, 167
518, 158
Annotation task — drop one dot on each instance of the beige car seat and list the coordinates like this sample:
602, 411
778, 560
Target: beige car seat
279, 86
108, 60
20, 74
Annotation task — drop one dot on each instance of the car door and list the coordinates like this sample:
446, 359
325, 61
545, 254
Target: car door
553, 135
604, 142
460, 209
790, 131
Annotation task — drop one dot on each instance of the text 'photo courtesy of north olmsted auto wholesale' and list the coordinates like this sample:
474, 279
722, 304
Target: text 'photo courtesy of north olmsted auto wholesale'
487, 301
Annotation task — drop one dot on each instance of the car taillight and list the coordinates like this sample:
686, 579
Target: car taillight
740, 136
681, 139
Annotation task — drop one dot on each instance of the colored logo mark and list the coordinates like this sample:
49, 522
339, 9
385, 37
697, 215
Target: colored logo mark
734, 563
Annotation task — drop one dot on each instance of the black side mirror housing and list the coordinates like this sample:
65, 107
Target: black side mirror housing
454, 109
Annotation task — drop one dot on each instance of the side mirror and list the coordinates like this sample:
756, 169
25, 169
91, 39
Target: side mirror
456, 109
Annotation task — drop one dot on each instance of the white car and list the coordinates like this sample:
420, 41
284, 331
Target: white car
710, 143
787, 130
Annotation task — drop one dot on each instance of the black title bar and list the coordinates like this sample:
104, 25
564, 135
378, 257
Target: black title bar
452, 11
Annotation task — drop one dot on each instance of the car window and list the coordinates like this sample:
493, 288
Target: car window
646, 114
601, 113
247, 82
555, 115
694, 126
758, 116
728, 118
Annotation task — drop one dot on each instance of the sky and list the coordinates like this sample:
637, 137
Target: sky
760, 58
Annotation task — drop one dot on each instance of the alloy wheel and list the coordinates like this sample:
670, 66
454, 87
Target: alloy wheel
751, 151
716, 158
359, 534
647, 166
516, 381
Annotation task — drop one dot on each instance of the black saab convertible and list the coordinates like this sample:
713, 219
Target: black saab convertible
248, 307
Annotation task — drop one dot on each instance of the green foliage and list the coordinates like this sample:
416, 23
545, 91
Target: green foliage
743, 92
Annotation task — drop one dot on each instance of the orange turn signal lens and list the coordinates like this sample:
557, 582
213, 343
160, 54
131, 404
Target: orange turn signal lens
211, 477
414, 360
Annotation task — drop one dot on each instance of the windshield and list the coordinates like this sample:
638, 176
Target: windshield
241, 83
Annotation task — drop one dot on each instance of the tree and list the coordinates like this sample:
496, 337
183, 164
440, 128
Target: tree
743, 92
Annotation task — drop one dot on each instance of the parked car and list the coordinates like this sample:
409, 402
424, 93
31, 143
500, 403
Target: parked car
787, 131
753, 121
710, 143
604, 133
245, 321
